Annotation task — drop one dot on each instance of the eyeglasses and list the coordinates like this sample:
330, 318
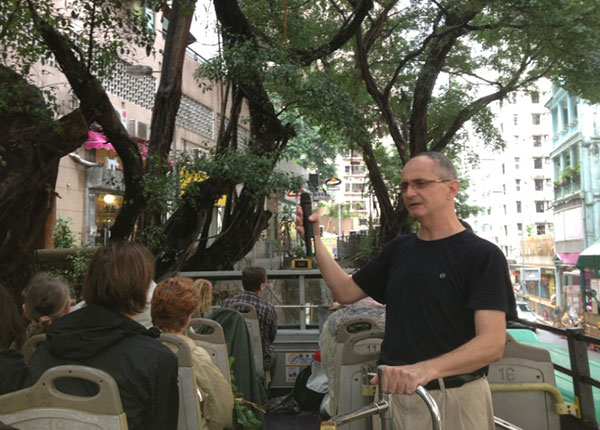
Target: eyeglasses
419, 184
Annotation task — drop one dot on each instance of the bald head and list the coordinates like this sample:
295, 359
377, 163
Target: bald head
442, 165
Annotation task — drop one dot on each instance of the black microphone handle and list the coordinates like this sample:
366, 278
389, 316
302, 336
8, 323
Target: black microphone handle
309, 234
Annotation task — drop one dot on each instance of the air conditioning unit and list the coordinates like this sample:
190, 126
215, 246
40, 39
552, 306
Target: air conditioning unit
138, 129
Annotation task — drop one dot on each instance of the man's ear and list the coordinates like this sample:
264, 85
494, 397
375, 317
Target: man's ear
454, 187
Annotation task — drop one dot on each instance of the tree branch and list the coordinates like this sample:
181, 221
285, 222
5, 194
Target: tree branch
340, 38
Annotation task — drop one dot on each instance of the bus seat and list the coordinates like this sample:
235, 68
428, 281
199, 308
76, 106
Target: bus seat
358, 356
523, 364
31, 344
251, 318
190, 414
44, 406
214, 343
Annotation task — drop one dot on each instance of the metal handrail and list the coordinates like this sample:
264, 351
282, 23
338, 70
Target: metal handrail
382, 407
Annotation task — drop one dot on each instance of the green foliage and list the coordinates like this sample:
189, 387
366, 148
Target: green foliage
239, 167
243, 417
78, 261
63, 237
100, 30
570, 174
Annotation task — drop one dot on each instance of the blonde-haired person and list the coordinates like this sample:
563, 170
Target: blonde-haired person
173, 303
46, 298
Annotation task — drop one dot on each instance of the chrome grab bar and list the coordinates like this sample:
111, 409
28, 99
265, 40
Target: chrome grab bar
382, 407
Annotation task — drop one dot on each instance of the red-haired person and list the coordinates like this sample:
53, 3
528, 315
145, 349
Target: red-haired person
173, 303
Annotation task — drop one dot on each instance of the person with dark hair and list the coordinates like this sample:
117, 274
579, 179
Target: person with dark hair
173, 303
14, 373
254, 281
447, 294
105, 335
46, 298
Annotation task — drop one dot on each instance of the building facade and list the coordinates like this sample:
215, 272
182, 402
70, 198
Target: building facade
515, 190
576, 168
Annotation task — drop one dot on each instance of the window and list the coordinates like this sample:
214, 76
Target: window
505, 230
539, 206
518, 184
347, 186
515, 119
537, 141
548, 182
535, 118
519, 227
517, 159
347, 170
357, 188
547, 160
535, 97
537, 163
541, 229
518, 207
539, 184
357, 168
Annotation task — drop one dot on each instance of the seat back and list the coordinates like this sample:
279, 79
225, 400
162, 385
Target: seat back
31, 344
44, 406
251, 319
524, 364
190, 414
357, 351
214, 343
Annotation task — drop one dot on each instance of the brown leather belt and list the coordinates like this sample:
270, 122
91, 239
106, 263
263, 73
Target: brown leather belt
453, 381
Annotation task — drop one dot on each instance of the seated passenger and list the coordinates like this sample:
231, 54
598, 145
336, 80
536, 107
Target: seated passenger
46, 298
254, 281
14, 373
104, 335
366, 307
173, 303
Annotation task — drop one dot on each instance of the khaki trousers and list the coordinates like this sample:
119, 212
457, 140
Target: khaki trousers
464, 408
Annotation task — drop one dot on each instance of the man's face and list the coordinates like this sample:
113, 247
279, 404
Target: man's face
423, 197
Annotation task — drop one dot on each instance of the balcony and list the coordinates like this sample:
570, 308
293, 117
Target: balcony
566, 188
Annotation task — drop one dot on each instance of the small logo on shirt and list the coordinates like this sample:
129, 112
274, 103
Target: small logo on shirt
442, 275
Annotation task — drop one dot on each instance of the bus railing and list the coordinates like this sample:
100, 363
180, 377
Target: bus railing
577, 342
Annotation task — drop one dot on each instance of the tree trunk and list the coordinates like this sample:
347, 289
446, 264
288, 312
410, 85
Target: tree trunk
31, 146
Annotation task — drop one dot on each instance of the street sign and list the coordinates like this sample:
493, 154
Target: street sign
333, 188
321, 196
332, 182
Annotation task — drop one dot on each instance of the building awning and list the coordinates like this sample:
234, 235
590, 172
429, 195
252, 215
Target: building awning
590, 256
569, 258
97, 140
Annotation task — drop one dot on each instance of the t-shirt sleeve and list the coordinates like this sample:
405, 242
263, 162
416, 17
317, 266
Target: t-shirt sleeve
491, 288
372, 277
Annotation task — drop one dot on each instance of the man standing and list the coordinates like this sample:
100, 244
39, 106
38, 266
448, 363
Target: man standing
447, 293
254, 281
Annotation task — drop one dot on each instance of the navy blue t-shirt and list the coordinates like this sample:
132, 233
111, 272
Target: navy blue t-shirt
431, 290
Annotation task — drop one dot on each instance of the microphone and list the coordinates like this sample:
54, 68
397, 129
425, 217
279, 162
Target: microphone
309, 235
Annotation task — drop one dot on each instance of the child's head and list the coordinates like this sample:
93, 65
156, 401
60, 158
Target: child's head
46, 299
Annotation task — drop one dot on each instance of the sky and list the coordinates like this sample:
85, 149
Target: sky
204, 29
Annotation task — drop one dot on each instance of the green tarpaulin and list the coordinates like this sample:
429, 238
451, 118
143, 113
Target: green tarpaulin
590, 257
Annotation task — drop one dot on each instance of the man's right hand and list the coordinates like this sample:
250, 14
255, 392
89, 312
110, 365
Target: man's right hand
300, 222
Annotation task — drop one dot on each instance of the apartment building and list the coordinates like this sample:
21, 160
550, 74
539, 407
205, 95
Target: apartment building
576, 163
515, 189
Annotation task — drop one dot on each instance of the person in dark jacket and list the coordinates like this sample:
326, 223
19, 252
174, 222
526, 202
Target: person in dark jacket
105, 335
14, 373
